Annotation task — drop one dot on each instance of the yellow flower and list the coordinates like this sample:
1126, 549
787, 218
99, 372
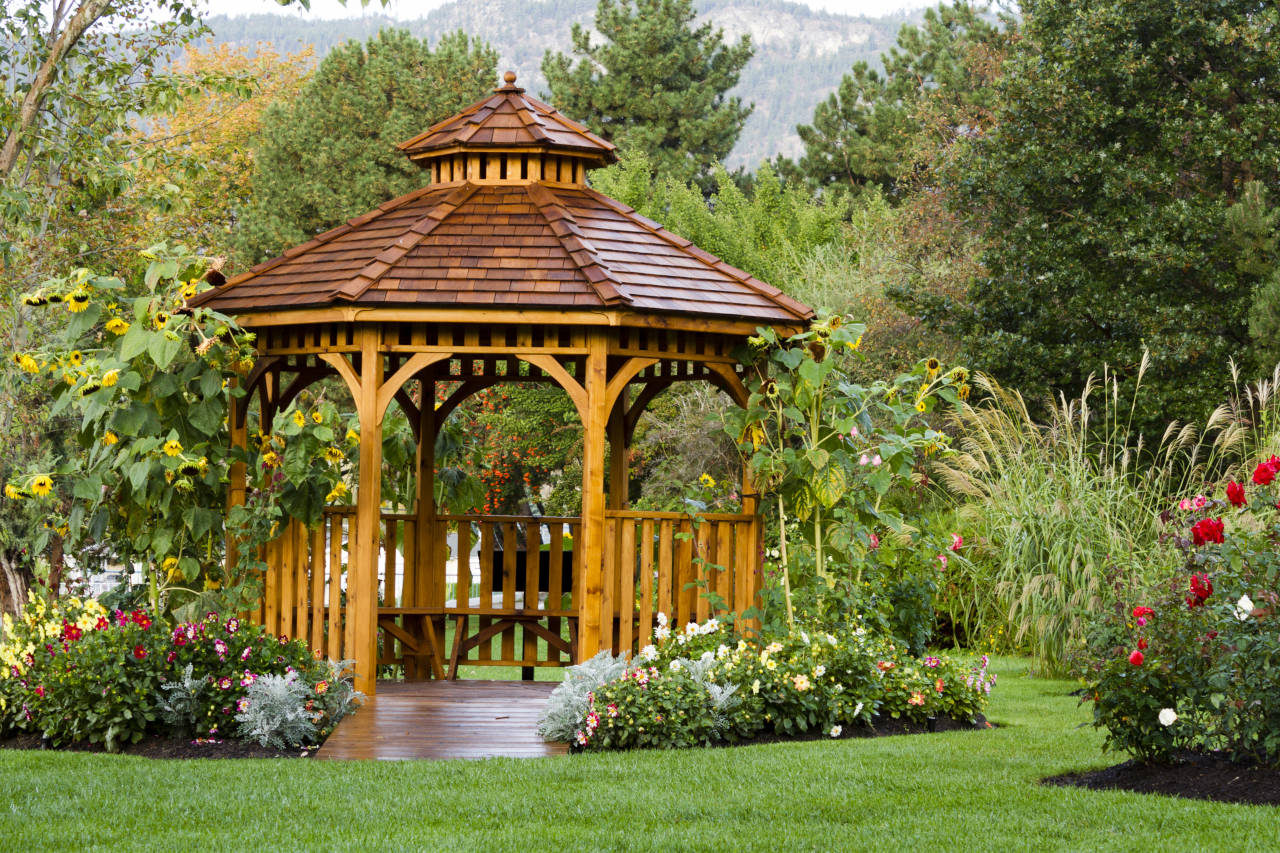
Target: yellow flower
109, 438
933, 366
75, 358
12, 492
339, 491
353, 437
26, 362
77, 301
316, 417
172, 447
111, 377
271, 459
116, 326
707, 481
34, 300
211, 583
41, 485
921, 406
964, 391
299, 418
333, 454
170, 567
160, 319
858, 342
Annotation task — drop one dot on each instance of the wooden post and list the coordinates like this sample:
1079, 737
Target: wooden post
429, 580
619, 470
595, 384
237, 426
362, 579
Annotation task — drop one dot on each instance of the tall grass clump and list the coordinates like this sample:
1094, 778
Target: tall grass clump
1059, 514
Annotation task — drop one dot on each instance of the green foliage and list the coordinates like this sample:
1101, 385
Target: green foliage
1200, 668
1125, 132
331, 153
655, 85
872, 129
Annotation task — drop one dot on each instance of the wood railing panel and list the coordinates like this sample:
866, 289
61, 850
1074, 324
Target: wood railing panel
626, 606
646, 579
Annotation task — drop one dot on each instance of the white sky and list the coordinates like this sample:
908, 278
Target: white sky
417, 8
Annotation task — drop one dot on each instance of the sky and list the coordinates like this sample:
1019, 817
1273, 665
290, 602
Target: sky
417, 8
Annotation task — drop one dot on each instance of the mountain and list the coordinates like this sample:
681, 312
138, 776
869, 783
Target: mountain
800, 53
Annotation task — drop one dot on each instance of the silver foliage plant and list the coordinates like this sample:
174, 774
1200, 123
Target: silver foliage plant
566, 709
179, 701
274, 712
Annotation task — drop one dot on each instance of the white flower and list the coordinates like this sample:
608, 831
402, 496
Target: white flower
831, 639
1168, 717
675, 665
649, 652
681, 639
711, 627
722, 652
819, 671
662, 619
857, 710
804, 637
708, 656
836, 730
692, 628
1244, 607
661, 632
755, 686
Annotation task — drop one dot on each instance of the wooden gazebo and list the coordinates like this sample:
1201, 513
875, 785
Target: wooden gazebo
507, 267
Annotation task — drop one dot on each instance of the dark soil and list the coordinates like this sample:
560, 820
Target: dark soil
879, 727
163, 746
1194, 776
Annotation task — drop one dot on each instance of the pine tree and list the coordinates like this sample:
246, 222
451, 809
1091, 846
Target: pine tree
874, 128
656, 85
331, 153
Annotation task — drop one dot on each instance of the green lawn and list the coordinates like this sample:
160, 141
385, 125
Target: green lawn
964, 791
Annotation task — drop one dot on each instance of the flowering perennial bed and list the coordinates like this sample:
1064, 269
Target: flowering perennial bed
73, 673
700, 686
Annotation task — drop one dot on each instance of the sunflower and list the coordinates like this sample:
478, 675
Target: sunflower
109, 438
171, 568
75, 359
299, 418
42, 485
707, 481
54, 298
858, 342
334, 455
933, 366
26, 362
13, 493
353, 437
189, 468
172, 447
964, 391
270, 459
89, 387
921, 406
836, 321
35, 300
111, 377
117, 326
316, 417
769, 389
77, 301
339, 491
160, 319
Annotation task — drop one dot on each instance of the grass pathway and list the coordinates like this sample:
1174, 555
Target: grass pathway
962, 791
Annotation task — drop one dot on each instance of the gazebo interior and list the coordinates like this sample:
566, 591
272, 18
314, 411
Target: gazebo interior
506, 268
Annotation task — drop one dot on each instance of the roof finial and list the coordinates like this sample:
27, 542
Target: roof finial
509, 78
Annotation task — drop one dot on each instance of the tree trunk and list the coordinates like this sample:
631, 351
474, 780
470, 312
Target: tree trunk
14, 583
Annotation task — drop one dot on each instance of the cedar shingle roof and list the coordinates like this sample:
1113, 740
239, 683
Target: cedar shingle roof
509, 119
522, 245
506, 243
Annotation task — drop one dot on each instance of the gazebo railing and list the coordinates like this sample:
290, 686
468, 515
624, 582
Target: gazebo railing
472, 592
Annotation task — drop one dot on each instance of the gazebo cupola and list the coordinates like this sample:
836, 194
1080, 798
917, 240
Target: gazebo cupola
506, 267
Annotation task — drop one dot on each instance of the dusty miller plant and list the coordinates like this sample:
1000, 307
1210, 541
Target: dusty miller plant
275, 712
179, 702
567, 706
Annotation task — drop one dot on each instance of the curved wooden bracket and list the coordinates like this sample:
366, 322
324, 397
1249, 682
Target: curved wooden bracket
416, 363
411, 411
259, 369
460, 394
641, 402
729, 382
629, 370
556, 371
305, 378
340, 363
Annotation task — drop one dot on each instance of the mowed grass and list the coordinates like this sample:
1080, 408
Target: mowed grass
963, 791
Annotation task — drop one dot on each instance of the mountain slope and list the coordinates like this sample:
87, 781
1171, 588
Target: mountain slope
800, 53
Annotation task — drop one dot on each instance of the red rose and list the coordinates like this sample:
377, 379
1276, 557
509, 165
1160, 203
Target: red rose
1142, 642
1207, 530
1201, 589
1136, 658
1265, 473
1141, 611
139, 652
1235, 494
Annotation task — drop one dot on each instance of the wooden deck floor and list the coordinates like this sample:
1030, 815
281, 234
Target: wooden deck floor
445, 719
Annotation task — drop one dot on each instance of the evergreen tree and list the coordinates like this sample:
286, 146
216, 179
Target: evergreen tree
331, 153
656, 85
871, 129
1126, 132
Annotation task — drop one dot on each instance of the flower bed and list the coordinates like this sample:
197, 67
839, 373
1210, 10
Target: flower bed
700, 686
1193, 666
72, 672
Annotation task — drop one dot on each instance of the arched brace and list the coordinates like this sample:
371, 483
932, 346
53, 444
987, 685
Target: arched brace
556, 371
727, 380
411, 411
641, 402
417, 363
460, 394
259, 369
305, 379
618, 383
339, 362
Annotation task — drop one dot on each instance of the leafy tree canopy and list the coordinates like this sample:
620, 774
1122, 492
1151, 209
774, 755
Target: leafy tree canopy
331, 153
655, 85
1126, 133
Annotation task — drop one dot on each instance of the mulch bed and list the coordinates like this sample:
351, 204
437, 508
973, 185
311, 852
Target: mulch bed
879, 727
1194, 776
163, 746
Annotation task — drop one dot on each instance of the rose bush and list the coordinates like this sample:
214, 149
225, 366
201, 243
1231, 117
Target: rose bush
1194, 664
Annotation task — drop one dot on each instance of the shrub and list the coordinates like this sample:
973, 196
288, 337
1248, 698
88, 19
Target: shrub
1193, 662
276, 711
568, 704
